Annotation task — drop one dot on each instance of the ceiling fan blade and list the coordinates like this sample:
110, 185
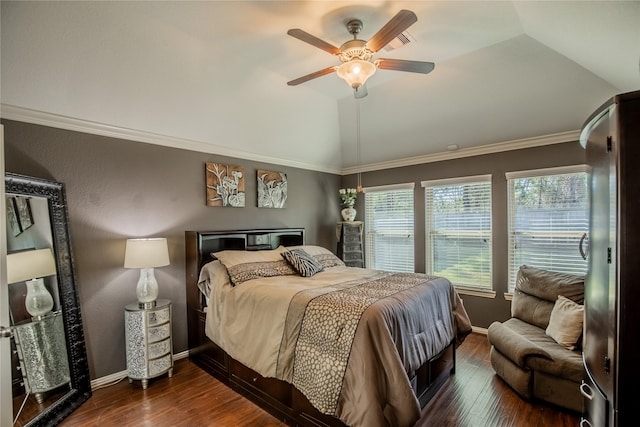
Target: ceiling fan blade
312, 76
403, 65
403, 20
360, 92
313, 40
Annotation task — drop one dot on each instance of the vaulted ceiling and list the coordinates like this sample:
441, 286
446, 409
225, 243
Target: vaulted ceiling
211, 75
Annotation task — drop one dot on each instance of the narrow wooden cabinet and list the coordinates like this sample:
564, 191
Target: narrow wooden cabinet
148, 337
350, 245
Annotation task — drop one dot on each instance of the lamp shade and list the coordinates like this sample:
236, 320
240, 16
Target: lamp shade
28, 265
356, 72
146, 253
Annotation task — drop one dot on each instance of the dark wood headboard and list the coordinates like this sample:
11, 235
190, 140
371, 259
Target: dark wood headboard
201, 244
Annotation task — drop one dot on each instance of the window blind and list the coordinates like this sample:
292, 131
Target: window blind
458, 230
548, 215
389, 230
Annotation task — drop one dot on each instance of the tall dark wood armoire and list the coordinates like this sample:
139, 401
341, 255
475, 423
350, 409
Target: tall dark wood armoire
611, 346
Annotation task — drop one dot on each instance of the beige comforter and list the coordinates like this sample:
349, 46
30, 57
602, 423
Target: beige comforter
396, 322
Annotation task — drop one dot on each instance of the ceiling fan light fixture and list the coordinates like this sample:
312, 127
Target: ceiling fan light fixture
356, 72
357, 55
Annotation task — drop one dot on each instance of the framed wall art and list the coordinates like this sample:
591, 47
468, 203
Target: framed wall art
272, 189
225, 185
23, 209
13, 225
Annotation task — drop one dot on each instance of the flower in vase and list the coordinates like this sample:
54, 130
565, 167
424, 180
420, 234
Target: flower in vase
348, 197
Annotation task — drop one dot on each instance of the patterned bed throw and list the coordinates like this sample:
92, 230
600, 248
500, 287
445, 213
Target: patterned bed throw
327, 330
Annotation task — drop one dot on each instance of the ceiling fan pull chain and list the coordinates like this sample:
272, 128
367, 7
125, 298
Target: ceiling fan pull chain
359, 186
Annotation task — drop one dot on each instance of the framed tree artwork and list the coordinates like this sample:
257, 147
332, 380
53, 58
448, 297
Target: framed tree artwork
225, 185
272, 189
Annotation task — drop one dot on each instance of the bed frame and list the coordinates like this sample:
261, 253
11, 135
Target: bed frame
277, 397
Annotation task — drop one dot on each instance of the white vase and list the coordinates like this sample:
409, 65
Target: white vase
348, 214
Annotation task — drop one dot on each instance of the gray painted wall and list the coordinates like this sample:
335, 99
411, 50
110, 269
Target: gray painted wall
482, 311
118, 189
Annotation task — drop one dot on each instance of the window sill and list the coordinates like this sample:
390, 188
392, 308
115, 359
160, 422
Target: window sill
483, 293
508, 296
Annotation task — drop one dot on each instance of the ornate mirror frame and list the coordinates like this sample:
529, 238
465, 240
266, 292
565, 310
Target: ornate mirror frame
80, 389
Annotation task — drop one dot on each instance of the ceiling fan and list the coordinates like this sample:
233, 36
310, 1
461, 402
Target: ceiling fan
356, 55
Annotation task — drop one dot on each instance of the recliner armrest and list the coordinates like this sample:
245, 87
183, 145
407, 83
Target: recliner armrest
513, 345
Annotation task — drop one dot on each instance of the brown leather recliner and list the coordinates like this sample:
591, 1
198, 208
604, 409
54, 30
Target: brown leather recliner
523, 355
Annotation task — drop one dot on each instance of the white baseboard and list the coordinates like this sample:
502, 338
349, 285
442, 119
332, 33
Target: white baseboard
479, 330
119, 376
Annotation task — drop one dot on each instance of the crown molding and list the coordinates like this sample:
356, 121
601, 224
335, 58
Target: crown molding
518, 144
12, 112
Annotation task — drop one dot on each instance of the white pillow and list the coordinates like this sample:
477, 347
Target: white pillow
234, 257
565, 322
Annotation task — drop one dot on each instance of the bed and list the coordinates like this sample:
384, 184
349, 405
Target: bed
312, 341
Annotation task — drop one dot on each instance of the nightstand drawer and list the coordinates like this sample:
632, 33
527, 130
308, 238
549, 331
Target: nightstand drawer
355, 263
352, 238
352, 256
158, 317
159, 348
158, 366
353, 247
159, 332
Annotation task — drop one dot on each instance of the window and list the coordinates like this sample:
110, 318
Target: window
389, 227
548, 215
458, 230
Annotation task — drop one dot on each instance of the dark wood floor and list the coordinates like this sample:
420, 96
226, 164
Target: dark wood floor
473, 397
476, 397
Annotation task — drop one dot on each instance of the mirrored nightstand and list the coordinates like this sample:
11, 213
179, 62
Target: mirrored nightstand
42, 352
148, 341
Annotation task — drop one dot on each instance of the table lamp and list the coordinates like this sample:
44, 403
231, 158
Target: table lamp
31, 266
146, 254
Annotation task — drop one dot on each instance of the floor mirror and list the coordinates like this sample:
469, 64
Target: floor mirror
50, 373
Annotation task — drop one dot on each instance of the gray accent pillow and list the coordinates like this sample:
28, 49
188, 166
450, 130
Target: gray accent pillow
322, 255
305, 264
